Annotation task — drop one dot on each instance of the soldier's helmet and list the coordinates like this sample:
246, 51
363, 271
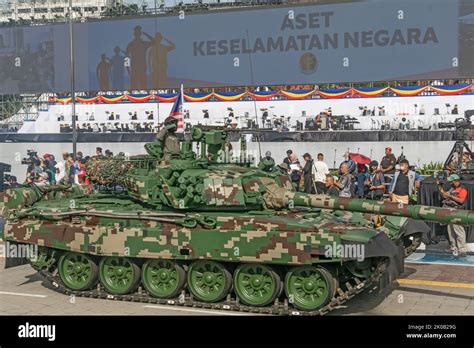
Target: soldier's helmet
171, 123
284, 166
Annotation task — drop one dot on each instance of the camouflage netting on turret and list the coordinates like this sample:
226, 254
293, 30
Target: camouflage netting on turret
108, 170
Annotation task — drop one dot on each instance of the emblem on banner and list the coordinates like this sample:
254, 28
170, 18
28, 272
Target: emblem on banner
308, 63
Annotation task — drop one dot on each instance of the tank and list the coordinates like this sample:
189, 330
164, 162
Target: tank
203, 228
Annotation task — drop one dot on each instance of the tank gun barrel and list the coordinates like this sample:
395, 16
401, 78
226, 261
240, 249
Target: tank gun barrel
418, 212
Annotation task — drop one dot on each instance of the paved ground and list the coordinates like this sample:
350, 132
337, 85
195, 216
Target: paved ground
425, 289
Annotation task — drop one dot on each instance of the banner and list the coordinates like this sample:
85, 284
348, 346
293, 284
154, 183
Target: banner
340, 41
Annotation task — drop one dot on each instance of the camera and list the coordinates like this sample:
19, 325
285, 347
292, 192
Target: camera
31, 155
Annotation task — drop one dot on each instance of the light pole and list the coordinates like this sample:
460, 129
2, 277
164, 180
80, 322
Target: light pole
73, 92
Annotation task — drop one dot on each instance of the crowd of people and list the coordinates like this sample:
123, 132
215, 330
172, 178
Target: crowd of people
46, 170
393, 179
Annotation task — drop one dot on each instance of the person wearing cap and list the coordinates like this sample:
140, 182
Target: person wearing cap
456, 197
388, 163
375, 182
267, 163
282, 168
351, 165
49, 161
403, 184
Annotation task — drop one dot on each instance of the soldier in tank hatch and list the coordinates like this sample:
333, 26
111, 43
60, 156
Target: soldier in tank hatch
168, 139
267, 163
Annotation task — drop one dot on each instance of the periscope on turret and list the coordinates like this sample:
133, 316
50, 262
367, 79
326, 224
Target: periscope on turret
214, 230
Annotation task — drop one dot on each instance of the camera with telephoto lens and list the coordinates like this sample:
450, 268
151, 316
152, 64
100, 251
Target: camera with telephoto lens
461, 125
31, 156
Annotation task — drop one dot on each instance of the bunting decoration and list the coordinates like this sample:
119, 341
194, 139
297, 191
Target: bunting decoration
451, 89
369, 92
408, 91
197, 97
333, 93
230, 96
166, 98
139, 98
63, 100
87, 100
262, 95
112, 99
295, 95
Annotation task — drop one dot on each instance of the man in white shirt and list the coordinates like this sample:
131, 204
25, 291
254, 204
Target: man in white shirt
320, 171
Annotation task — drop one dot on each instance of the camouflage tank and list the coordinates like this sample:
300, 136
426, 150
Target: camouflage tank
196, 230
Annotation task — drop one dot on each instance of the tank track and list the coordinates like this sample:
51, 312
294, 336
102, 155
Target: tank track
354, 286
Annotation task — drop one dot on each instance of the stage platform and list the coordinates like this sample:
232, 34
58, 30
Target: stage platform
265, 136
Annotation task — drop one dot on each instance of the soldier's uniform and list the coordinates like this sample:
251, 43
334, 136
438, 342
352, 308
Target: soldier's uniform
168, 139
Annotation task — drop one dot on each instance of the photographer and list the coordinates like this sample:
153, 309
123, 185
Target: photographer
33, 163
455, 197
375, 182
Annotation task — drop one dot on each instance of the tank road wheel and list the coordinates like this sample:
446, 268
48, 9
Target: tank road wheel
119, 275
309, 288
163, 278
256, 285
78, 271
361, 269
209, 281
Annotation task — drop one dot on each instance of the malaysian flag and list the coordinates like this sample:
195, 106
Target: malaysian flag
177, 111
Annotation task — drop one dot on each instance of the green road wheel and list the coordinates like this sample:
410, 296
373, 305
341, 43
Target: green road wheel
309, 288
209, 281
119, 275
78, 271
361, 269
163, 278
256, 285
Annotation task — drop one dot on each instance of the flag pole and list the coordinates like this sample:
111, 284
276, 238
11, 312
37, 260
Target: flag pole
72, 77
182, 108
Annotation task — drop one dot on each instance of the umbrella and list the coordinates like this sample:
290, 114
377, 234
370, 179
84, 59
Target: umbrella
358, 158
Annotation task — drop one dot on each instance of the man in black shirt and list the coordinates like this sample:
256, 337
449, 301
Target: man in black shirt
308, 174
403, 184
